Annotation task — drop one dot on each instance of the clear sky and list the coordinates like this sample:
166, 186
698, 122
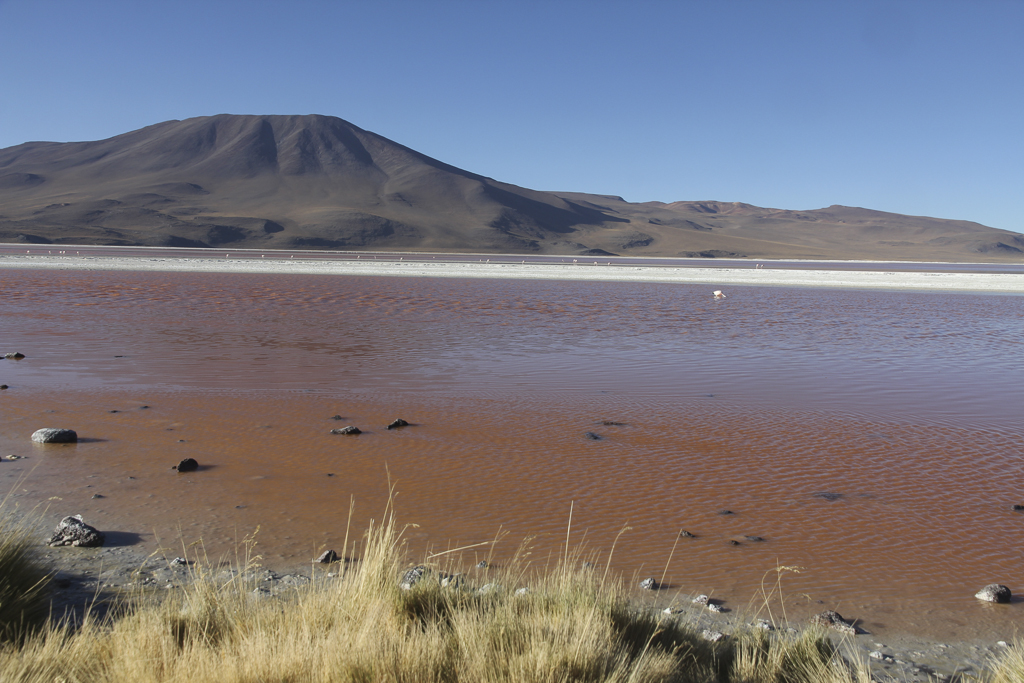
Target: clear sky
911, 107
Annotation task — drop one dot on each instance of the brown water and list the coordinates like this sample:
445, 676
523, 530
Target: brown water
906, 405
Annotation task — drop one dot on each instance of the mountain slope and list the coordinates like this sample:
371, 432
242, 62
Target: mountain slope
269, 182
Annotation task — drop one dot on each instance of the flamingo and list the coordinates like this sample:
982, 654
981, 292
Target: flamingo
718, 294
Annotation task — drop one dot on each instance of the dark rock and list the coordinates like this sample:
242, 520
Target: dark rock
733, 542
73, 531
725, 512
327, 557
347, 430
994, 592
2, 387
179, 562
754, 539
412, 577
52, 435
187, 465
593, 436
827, 495
336, 418
686, 534
482, 564
14, 356
398, 423
98, 495
834, 620
611, 423
649, 584
1015, 507
143, 407
113, 411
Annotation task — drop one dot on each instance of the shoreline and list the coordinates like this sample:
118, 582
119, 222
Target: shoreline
992, 283
98, 578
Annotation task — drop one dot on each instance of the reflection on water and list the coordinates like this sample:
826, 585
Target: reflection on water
902, 407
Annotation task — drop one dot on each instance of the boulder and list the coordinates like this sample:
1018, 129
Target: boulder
398, 423
1017, 506
994, 592
411, 577
649, 584
686, 534
327, 557
187, 465
53, 435
347, 430
14, 355
834, 620
73, 531
712, 636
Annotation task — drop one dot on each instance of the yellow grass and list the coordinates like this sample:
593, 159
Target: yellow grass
570, 625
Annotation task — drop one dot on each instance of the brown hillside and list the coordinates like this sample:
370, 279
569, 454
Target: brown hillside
283, 182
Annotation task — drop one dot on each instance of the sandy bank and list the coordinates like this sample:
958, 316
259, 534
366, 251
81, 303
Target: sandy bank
714, 277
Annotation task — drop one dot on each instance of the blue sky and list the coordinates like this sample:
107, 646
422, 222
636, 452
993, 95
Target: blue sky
911, 107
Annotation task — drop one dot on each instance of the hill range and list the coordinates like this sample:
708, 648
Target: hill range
318, 182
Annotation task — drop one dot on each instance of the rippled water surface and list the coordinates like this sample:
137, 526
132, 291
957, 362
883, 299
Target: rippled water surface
873, 439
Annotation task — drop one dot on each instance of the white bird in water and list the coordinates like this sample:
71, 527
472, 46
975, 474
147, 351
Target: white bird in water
718, 294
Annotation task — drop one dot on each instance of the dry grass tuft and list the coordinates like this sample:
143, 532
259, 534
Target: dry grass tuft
24, 595
569, 625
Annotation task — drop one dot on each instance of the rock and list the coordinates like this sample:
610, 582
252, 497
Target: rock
179, 562
701, 600
733, 542
877, 654
754, 539
834, 620
73, 531
14, 355
187, 465
398, 423
347, 430
764, 625
482, 564
725, 512
712, 636
336, 418
522, 591
98, 495
649, 584
1015, 507
593, 437
327, 557
827, 495
412, 577
3, 386
612, 423
489, 588
712, 607
52, 435
686, 534
994, 592
451, 580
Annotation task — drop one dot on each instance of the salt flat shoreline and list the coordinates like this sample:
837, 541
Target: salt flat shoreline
996, 283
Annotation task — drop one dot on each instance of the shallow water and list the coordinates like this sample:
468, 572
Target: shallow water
905, 405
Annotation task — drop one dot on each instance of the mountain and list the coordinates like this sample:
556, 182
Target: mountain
318, 182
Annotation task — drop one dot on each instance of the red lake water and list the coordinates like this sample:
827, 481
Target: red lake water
872, 439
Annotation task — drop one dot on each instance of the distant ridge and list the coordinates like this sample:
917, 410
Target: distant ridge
281, 182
